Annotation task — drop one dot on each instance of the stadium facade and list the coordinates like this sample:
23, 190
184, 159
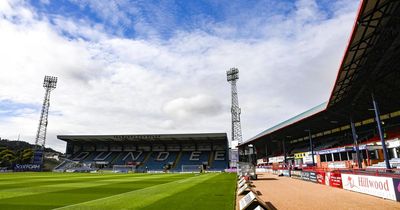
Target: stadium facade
147, 152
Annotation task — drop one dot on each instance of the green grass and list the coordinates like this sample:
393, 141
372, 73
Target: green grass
117, 191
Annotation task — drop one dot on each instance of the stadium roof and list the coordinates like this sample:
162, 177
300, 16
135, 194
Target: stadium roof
370, 65
208, 137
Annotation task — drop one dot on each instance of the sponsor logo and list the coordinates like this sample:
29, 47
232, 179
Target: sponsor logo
27, 167
372, 185
350, 182
379, 185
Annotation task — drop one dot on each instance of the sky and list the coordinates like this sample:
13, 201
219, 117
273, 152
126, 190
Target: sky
151, 67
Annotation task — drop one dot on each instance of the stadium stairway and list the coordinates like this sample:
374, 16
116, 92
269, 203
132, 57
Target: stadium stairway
173, 168
111, 157
79, 156
60, 167
142, 166
89, 158
210, 159
67, 162
116, 159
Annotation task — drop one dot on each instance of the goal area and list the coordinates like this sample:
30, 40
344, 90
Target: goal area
191, 168
123, 168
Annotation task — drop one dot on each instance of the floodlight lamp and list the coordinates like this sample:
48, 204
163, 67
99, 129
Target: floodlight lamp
232, 74
50, 82
234, 70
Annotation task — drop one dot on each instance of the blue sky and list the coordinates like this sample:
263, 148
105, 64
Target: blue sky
9, 108
166, 18
131, 67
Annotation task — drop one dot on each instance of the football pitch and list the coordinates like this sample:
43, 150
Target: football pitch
117, 191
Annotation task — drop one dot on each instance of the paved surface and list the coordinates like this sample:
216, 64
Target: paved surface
289, 193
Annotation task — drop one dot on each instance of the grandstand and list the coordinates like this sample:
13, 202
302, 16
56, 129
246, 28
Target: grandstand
352, 141
147, 153
365, 94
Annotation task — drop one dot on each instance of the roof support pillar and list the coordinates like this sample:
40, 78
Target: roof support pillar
311, 146
266, 149
355, 139
284, 151
378, 122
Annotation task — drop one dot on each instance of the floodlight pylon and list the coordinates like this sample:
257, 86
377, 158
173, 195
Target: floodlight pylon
49, 84
232, 77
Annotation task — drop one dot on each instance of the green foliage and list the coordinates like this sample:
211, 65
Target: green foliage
26, 155
20, 152
20, 145
7, 157
117, 191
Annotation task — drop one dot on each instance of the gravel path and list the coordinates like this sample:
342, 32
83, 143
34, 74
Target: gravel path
289, 193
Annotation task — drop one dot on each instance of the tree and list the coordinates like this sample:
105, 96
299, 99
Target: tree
7, 158
26, 156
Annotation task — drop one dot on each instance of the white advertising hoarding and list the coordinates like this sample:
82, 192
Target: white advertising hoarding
276, 159
246, 200
337, 165
372, 185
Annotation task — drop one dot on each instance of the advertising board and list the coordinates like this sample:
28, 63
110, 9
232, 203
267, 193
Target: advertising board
286, 173
335, 179
296, 174
396, 185
27, 167
277, 159
372, 185
241, 183
246, 200
305, 175
313, 177
275, 172
337, 165
321, 177
243, 189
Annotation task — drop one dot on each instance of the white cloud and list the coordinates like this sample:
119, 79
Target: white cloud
112, 85
194, 107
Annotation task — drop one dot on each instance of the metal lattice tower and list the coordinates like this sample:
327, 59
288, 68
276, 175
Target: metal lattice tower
232, 77
49, 84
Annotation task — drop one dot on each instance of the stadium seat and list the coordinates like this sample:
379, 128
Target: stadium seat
158, 160
191, 158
